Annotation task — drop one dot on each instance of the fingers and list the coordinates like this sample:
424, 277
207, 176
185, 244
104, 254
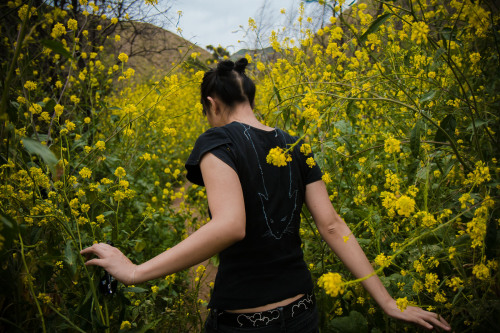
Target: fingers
430, 320
94, 262
96, 249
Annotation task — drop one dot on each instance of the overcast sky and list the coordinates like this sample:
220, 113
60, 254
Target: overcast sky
214, 22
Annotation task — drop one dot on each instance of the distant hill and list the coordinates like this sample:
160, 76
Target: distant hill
151, 49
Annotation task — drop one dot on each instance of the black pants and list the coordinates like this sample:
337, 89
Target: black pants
304, 322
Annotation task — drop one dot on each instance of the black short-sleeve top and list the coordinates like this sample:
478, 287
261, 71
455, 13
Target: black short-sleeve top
267, 265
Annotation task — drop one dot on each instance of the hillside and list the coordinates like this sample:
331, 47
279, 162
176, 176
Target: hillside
151, 49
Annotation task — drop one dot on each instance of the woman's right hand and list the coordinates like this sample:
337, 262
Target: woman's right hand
113, 261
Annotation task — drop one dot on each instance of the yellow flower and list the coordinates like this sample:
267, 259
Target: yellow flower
332, 283
382, 260
261, 67
326, 178
154, 289
72, 24
405, 205
70, 125
74, 99
310, 162
86, 120
402, 303
58, 109
123, 57
419, 32
392, 145
30, 85
305, 149
120, 172
85, 172
278, 157
455, 283
151, 2
481, 271
101, 145
58, 30
125, 325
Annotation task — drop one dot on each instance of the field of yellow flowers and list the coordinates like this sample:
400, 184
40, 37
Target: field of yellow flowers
398, 101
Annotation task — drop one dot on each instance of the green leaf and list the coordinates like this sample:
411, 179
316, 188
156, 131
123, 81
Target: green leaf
428, 96
478, 123
276, 91
57, 47
70, 257
35, 147
354, 323
136, 290
374, 26
415, 139
448, 125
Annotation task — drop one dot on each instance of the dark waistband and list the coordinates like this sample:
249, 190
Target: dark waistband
264, 318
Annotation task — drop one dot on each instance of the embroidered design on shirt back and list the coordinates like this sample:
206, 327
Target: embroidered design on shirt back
276, 229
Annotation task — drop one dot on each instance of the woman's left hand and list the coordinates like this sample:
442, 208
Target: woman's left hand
413, 314
113, 261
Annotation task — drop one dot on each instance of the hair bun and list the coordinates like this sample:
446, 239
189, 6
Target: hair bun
225, 67
241, 65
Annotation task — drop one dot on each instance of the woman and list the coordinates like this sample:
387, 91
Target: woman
262, 284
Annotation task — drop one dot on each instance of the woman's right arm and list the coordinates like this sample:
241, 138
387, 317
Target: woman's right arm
339, 238
227, 226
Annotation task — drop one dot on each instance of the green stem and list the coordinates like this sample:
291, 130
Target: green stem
10, 73
66, 318
30, 284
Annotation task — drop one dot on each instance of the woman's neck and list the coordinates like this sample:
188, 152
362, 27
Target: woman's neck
243, 113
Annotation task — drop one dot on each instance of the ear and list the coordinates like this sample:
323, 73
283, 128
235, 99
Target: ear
214, 105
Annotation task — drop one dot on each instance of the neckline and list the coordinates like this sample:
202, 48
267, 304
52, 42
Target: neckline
273, 130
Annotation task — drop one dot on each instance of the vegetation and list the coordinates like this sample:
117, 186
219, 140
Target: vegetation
398, 101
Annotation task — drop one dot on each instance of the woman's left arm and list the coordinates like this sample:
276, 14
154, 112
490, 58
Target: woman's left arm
227, 226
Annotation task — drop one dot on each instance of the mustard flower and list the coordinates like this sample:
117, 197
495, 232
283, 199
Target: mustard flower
305, 149
72, 24
326, 178
405, 205
332, 283
30, 85
455, 283
101, 145
120, 172
123, 57
311, 162
310, 113
58, 30
85, 172
382, 260
481, 271
58, 109
125, 325
278, 157
402, 303
154, 289
151, 2
392, 145
70, 125
419, 32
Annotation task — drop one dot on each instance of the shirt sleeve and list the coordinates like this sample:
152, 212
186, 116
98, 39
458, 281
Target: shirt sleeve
310, 174
214, 141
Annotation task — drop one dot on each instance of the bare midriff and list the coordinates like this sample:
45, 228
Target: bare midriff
268, 306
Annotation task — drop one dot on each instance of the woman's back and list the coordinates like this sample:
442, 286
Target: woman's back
267, 265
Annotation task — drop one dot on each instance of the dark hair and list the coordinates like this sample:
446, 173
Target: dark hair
229, 83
